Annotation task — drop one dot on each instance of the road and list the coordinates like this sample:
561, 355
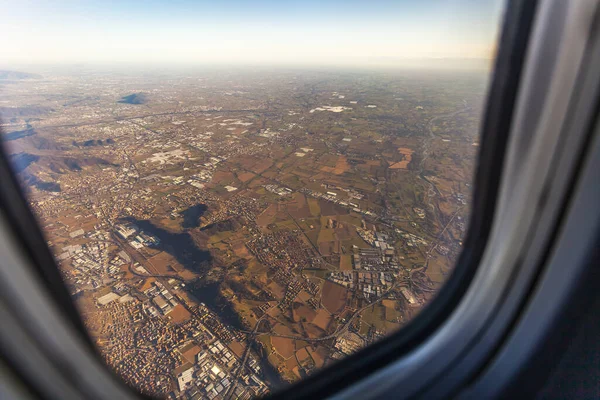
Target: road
437, 240
250, 336
433, 190
127, 118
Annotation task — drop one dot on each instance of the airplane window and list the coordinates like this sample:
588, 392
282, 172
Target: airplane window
239, 194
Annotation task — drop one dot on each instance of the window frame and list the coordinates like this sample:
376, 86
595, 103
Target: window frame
550, 126
496, 124
356, 375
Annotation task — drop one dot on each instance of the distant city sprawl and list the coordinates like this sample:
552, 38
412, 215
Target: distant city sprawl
225, 233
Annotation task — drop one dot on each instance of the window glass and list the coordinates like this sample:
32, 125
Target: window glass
238, 194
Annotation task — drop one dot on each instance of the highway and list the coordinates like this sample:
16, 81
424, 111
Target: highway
240, 368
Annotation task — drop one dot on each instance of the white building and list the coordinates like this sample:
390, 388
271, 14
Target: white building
185, 378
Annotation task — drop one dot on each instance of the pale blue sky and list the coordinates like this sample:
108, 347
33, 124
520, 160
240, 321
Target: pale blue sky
316, 32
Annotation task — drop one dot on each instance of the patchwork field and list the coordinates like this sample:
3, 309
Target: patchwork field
334, 297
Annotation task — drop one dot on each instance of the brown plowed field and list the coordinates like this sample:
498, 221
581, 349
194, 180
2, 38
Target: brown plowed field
334, 297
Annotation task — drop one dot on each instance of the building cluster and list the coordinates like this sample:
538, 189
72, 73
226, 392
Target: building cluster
461, 198
373, 284
291, 291
136, 237
349, 343
372, 259
374, 268
443, 250
377, 239
212, 375
332, 197
145, 348
420, 212
211, 323
235, 206
282, 250
409, 297
162, 299
351, 193
370, 284
280, 191
90, 264
136, 346
411, 240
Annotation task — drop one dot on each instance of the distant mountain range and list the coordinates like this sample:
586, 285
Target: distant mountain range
14, 75
38, 160
135, 98
24, 112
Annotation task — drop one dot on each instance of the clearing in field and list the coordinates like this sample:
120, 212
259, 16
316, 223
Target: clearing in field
388, 303
298, 207
268, 216
237, 348
334, 297
345, 262
256, 269
125, 269
276, 289
163, 263
341, 166
179, 314
303, 313
439, 269
261, 166
302, 355
240, 249
328, 248
313, 205
329, 208
323, 319
375, 316
326, 235
313, 331
407, 158
292, 365
392, 315
344, 232
284, 346
319, 355
255, 164
169, 157
245, 176
303, 296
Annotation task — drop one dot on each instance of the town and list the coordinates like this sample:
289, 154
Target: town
230, 233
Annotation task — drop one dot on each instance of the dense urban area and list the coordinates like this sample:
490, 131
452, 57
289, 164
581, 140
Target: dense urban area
227, 232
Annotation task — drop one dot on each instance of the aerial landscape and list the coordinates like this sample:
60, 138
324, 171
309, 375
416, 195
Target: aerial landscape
227, 232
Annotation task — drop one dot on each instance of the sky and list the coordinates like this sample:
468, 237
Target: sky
264, 32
